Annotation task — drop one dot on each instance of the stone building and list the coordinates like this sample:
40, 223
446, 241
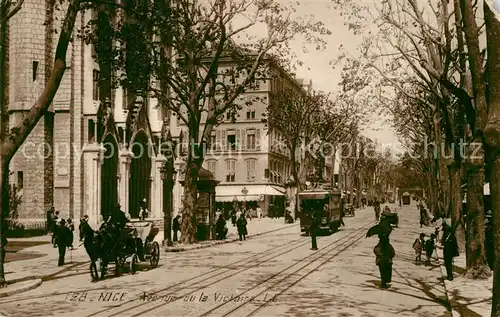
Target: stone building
249, 157
85, 155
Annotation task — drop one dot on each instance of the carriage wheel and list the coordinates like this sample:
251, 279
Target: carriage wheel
133, 263
104, 269
155, 255
120, 261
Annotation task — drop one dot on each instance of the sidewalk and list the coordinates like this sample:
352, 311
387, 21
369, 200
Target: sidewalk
255, 228
467, 297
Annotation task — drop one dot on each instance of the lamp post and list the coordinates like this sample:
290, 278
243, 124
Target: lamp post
244, 191
168, 175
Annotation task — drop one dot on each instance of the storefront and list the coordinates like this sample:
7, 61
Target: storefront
270, 198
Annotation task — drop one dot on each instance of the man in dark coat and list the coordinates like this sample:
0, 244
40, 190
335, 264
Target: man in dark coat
220, 228
450, 249
384, 253
50, 223
241, 224
176, 226
55, 217
118, 218
62, 235
314, 229
4, 244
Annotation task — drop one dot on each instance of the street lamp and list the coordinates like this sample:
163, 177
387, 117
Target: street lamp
244, 191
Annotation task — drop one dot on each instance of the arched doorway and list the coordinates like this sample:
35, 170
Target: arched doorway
109, 176
140, 174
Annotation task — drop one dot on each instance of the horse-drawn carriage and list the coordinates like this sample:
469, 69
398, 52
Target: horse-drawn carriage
107, 245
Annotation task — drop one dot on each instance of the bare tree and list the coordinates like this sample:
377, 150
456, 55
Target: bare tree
12, 140
198, 59
492, 136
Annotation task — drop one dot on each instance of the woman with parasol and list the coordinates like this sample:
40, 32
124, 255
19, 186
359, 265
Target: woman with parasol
384, 252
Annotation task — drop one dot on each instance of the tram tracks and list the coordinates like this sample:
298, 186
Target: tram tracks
279, 285
148, 307
173, 290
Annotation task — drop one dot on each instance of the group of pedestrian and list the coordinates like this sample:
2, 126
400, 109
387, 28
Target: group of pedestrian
221, 229
429, 246
62, 232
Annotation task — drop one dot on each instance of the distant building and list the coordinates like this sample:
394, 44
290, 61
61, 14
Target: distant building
248, 156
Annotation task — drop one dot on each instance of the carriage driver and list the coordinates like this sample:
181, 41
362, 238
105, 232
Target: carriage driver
118, 218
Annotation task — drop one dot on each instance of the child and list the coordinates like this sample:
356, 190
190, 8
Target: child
430, 246
418, 246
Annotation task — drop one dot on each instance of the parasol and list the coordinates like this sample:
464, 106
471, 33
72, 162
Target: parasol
382, 228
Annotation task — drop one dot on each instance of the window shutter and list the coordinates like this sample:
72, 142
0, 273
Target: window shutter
217, 140
223, 140
243, 139
238, 139
248, 170
257, 139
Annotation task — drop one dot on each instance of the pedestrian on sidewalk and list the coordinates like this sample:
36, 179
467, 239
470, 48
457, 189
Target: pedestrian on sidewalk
384, 253
241, 224
71, 227
62, 236
233, 217
430, 246
55, 217
376, 206
418, 246
50, 220
176, 226
450, 249
221, 228
314, 230
4, 244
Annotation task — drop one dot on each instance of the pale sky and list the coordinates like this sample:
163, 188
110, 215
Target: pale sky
324, 77
317, 63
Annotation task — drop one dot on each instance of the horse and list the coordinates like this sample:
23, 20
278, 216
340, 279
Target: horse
93, 245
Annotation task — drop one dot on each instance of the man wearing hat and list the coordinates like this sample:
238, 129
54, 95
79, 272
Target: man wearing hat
63, 235
118, 218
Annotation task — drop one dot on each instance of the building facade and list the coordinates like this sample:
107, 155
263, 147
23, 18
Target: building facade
248, 156
95, 147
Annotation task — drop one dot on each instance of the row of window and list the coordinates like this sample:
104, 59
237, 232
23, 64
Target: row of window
231, 169
276, 176
231, 139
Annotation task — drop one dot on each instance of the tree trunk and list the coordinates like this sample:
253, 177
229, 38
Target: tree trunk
189, 201
4, 203
433, 204
492, 137
11, 144
351, 181
477, 267
456, 205
295, 174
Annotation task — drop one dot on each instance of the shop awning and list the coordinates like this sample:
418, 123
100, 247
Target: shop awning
254, 192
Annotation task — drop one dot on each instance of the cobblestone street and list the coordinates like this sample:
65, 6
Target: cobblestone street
273, 274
